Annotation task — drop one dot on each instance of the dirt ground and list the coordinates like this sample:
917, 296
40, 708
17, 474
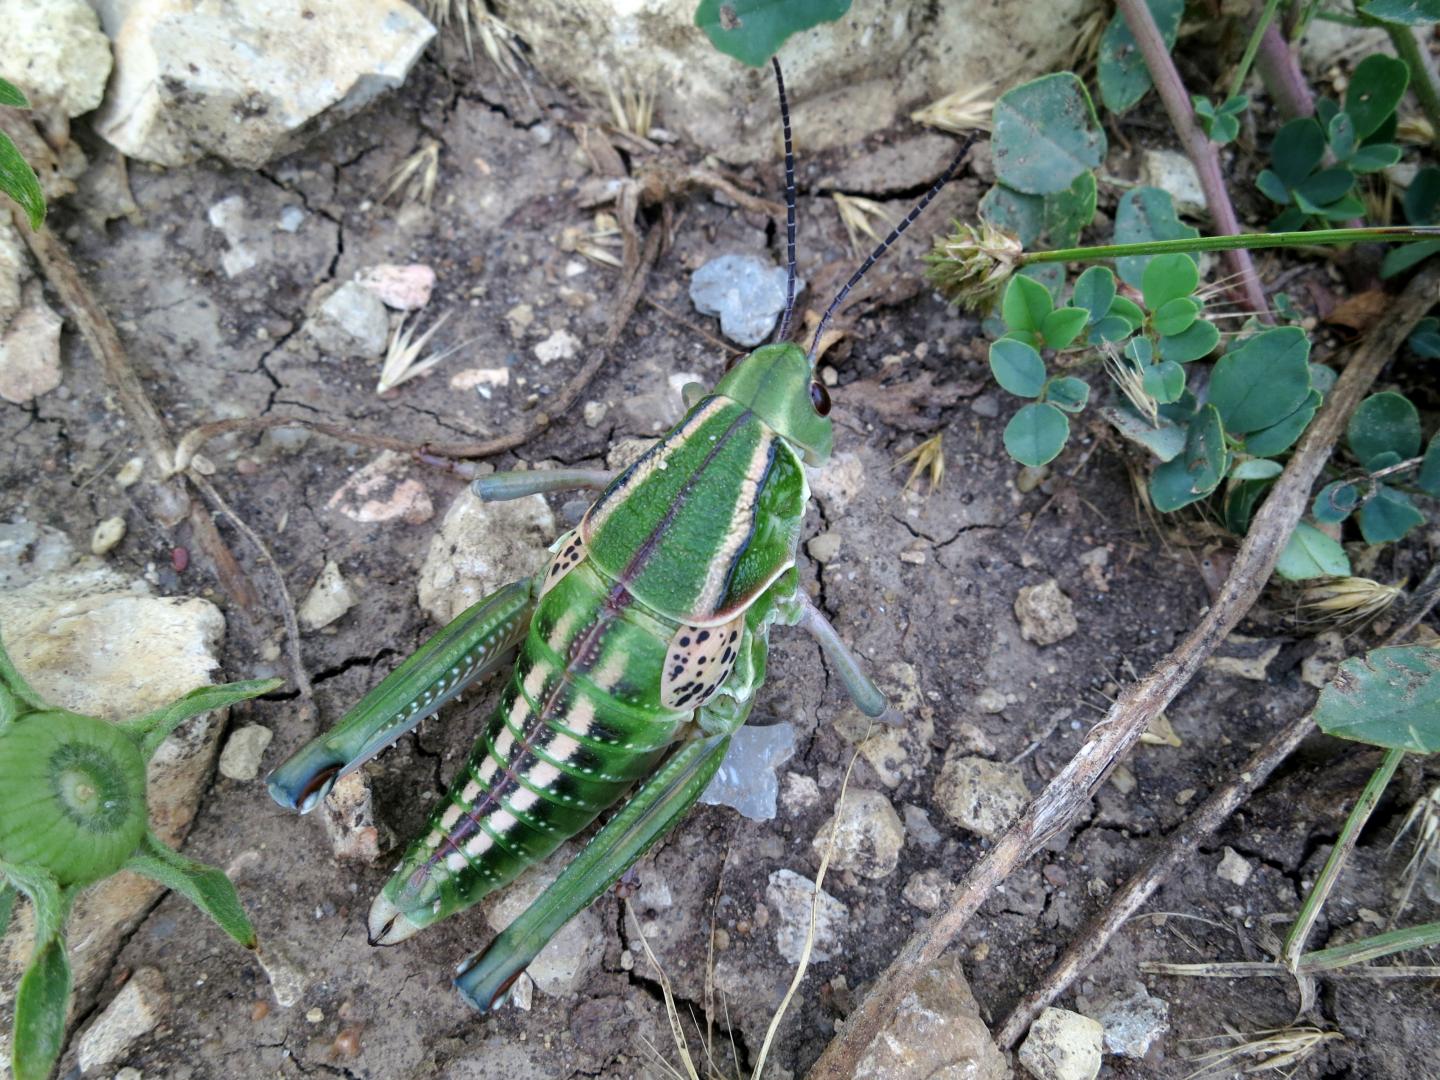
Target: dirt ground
928, 582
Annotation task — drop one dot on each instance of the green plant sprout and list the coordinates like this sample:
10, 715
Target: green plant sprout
72, 813
17, 178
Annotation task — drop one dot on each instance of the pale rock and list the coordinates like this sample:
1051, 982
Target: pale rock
1244, 657
654, 893
861, 74
1062, 1045
561, 345
625, 452
800, 792
868, 835
350, 322
918, 827
404, 288
1045, 613
986, 406
107, 535
28, 552
240, 760
14, 270
1132, 1023
746, 779
382, 491
480, 547
594, 413
349, 815
130, 473
746, 292
838, 482
1173, 172
55, 52
1320, 666
925, 890
897, 752
991, 700
30, 349
1234, 868
328, 599
792, 896
482, 380
289, 978
562, 965
984, 797
522, 992
135, 1012
229, 216
823, 547
519, 318
935, 1034
1094, 562
248, 82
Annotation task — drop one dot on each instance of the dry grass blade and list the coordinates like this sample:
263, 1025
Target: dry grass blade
929, 455
415, 177
1345, 601
856, 214
1424, 818
961, 112
1261, 1051
632, 107
672, 1013
402, 361
1127, 375
602, 243
500, 43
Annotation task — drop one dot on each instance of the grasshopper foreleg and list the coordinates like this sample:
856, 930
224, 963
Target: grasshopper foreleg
477, 643
861, 688
503, 486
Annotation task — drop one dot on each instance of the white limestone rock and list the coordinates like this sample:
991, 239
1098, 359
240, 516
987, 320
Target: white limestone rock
480, 547
55, 53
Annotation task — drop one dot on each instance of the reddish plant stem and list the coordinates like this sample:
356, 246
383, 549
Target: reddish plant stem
1197, 144
1281, 74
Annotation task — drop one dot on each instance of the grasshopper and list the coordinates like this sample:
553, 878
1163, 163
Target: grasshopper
641, 647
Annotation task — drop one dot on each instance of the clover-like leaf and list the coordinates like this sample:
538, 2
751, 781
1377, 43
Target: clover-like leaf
1279, 437
1166, 439
1256, 469
1309, 553
1385, 422
1036, 434
1164, 382
1062, 326
1198, 470
753, 30
1241, 497
1194, 342
1176, 316
1388, 515
1146, 213
1120, 68
1094, 291
1017, 367
1389, 697
1046, 134
1263, 381
1340, 133
1374, 157
1404, 12
1025, 304
1167, 278
1428, 478
1335, 502
1068, 393
1376, 87
1298, 147
1040, 221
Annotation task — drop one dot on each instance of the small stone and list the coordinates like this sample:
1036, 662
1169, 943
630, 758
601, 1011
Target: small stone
800, 792
1124, 780
240, 760
403, 288
290, 219
1046, 614
918, 827
129, 1073
1133, 1023
868, 835
982, 796
107, 535
746, 778
56, 53
329, 598
824, 546
1030, 477
482, 380
1095, 561
519, 318
561, 345
560, 967
383, 491
350, 322
480, 547
1185, 795
792, 896
1319, 667
288, 978
986, 406
136, 1011
1062, 1045
838, 483
1173, 172
991, 700
925, 890
1234, 868
594, 413
130, 472
745, 291
1245, 657
522, 993
30, 350
314, 1016
349, 814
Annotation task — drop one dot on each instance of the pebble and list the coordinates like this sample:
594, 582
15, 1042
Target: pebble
746, 779
561, 345
745, 291
288, 978
350, 322
30, 350
991, 700
1045, 613
1063, 1045
1244, 657
594, 413
925, 890
868, 835
107, 535
838, 483
792, 896
135, 1012
986, 406
1133, 1023
130, 472
522, 993
240, 760
480, 547
918, 827
403, 288
314, 1016
349, 814
329, 598
290, 219
383, 491
1234, 868
519, 318
980, 795
823, 547
800, 792
1320, 666
1173, 172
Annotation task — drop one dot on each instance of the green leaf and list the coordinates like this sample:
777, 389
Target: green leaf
1068, 393
7, 892
18, 180
1165, 382
1272, 187
1341, 135
1298, 148
1063, 325
1046, 135
14, 682
1145, 213
1202, 106
1094, 291
1124, 308
1290, 220
1166, 278
11, 95
1110, 328
1425, 339
1335, 502
1017, 367
1165, 440
1381, 423
1406, 12
1140, 350
1025, 303
1198, 340
152, 728
1322, 378
1176, 316
1376, 87
204, 886
1199, 468
753, 30
1324, 188
1050, 275
1120, 68
1342, 210
1427, 479
1279, 437
1256, 469
1388, 515
1036, 434
1042, 221
1388, 697
1310, 554
40, 1004
1240, 499
1370, 159
1263, 381
1399, 259
1422, 197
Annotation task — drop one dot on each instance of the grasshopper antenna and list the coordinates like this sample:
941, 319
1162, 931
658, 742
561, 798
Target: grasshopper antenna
789, 204
884, 245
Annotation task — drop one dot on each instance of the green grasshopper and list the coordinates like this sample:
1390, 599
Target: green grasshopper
641, 646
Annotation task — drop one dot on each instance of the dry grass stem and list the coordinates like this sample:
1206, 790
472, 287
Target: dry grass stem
632, 107
929, 455
1261, 1051
601, 243
415, 177
402, 358
1424, 818
1126, 374
856, 214
961, 112
1345, 601
499, 43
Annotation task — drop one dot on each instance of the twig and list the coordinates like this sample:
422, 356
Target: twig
1195, 142
1281, 73
1069, 791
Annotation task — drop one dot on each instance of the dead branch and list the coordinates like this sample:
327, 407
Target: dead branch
1111, 739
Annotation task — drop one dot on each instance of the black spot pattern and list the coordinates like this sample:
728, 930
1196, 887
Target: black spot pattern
697, 662
566, 559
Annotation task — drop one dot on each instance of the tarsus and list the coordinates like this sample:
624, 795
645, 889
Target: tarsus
789, 204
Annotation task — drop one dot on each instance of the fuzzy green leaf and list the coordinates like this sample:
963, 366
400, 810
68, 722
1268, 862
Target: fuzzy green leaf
1196, 341
1094, 291
1263, 381
752, 31
1017, 367
1068, 393
1025, 303
204, 886
1046, 135
152, 728
1384, 423
1370, 159
1062, 326
1146, 213
1036, 434
1199, 468
1388, 697
1176, 316
1120, 69
1279, 437
1310, 554
1388, 515
1335, 502
1376, 87
40, 1004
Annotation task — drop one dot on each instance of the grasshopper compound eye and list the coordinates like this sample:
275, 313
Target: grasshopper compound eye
820, 398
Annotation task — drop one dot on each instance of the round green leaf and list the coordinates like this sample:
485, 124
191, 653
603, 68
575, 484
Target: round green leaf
1376, 87
1166, 440
1406, 12
1046, 134
1422, 197
1373, 158
1176, 316
1063, 325
1272, 187
1094, 290
1110, 328
1068, 393
1120, 69
1311, 554
1196, 341
1199, 468
1256, 469
1428, 478
1165, 382
1324, 187
1381, 423
1017, 367
753, 30
1263, 381
1388, 697
1146, 213
1297, 149
1341, 134
1335, 502
1025, 303
1168, 277
1036, 434
1280, 437
1388, 515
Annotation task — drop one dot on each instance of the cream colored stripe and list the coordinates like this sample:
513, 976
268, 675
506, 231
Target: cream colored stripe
742, 518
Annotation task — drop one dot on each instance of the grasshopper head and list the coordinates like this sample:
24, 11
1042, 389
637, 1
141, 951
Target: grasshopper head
777, 384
